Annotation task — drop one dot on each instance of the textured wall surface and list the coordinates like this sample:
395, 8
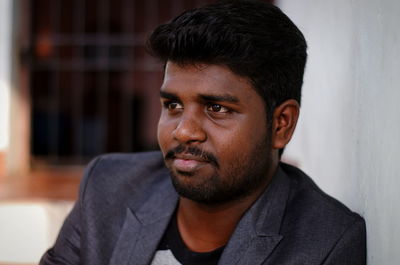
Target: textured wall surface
348, 137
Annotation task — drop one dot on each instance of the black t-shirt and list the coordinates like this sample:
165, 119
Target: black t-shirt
173, 251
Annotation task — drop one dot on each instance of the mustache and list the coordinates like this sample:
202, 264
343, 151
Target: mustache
193, 150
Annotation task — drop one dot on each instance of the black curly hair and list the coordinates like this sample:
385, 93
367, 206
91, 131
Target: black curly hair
254, 39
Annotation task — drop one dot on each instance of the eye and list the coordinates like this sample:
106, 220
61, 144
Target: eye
217, 108
172, 105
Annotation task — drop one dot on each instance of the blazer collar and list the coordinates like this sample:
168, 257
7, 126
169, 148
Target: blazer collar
144, 226
257, 233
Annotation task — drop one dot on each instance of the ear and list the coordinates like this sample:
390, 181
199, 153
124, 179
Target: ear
284, 122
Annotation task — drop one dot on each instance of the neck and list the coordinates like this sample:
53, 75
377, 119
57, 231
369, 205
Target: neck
206, 227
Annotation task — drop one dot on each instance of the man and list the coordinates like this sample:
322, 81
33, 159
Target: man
218, 193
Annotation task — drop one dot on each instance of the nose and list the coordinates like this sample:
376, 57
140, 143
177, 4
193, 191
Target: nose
189, 130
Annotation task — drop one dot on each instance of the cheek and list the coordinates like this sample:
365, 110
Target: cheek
240, 140
228, 143
164, 134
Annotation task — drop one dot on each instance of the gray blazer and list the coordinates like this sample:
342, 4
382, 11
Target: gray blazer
126, 202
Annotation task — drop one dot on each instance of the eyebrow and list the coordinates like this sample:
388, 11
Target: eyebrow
218, 98
167, 95
221, 98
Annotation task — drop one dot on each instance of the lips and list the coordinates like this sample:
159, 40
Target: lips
188, 162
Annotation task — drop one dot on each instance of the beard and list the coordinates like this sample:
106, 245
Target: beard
241, 176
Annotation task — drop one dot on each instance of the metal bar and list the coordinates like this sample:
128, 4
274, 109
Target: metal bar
103, 79
54, 109
151, 10
126, 127
177, 7
78, 85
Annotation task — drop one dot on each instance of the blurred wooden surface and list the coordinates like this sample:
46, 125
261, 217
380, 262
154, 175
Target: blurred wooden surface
1, 263
52, 184
2, 164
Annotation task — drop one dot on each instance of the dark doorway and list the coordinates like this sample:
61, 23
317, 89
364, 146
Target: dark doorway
93, 89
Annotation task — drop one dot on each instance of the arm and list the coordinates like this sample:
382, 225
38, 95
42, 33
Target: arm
67, 249
351, 247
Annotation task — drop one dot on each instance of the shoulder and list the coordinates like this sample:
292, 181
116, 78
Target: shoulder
119, 175
127, 160
316, 221
114, 189
307, 199
125, 164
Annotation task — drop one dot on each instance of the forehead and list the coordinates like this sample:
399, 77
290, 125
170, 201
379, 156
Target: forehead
208, 79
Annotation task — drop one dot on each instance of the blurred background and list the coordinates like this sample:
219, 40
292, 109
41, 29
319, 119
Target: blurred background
76, 81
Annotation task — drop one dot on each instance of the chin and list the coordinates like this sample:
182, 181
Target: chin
208, 190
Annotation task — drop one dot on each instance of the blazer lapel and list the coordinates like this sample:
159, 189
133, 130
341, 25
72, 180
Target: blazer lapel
143, 228
253, 240
246, 247
257, 233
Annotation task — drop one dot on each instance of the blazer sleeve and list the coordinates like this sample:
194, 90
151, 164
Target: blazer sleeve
351, 248
67, 248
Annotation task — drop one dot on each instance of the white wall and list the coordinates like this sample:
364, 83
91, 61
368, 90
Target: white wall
348, 138
29, 228
5, 70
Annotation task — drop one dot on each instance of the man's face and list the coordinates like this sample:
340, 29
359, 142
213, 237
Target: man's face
213, 133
